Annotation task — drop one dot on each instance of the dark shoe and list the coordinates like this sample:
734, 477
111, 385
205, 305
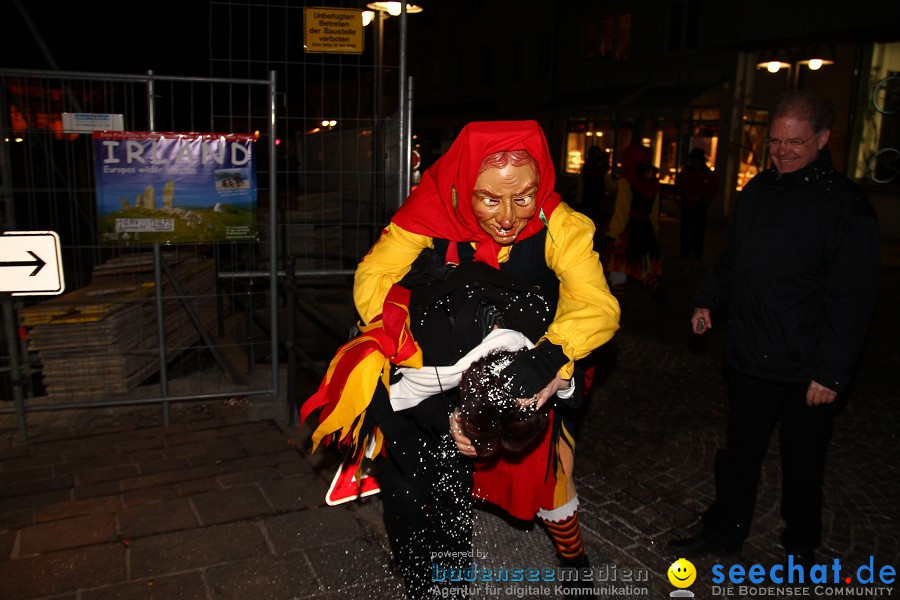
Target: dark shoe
697, 546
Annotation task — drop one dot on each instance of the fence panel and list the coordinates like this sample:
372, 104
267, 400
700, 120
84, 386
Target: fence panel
98, 344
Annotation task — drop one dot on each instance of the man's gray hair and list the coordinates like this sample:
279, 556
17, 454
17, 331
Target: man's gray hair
815, 107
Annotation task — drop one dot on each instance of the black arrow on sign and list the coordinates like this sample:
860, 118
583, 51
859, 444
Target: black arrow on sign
37, 263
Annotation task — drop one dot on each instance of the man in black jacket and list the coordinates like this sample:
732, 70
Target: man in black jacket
799, 272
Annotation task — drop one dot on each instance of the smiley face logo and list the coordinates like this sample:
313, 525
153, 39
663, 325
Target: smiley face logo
682, 573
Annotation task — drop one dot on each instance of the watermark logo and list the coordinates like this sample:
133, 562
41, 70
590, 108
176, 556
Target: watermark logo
479, 580
682, 574
794, 579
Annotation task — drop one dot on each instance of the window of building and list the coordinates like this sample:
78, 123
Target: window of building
684, 25
608, 38
581, 135
702, 133
877, 135
664, 147
752, 148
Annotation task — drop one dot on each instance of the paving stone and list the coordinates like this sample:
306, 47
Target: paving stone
183, 451
300, 467
93, 452
263, 578
387, 587
60, 573
89, 464
10, 449
150, 519
196, 548
7, 541
262, 460
309, 528
217, 456
265, 443
168, 477
77, 508
192, 437
331, 565
35, 486
184, 586
230, 504
134, 445
107, 474
31, 501
16, 519
94, 490
245, 428
196, 486
292, 493
151, 495
164, 465
248, 477
67, 533
41, 472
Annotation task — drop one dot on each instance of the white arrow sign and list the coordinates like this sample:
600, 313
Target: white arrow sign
30, 263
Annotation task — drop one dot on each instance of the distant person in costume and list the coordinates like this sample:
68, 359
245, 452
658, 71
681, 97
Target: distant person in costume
596, 188
635, 251
490, 200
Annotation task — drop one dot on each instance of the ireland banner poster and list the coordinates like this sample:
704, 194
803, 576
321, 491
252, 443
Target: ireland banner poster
170, 188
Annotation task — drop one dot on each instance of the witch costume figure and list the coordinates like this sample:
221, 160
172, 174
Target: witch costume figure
482, 249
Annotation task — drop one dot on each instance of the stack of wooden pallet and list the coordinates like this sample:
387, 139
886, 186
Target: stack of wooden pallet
102, 339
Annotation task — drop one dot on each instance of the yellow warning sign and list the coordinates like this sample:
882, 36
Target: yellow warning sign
333, 30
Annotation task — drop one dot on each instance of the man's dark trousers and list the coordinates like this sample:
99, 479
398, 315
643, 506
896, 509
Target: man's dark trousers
756, 406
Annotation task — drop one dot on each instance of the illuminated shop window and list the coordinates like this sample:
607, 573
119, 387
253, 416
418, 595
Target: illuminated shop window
877, 136
582, 134
752, 148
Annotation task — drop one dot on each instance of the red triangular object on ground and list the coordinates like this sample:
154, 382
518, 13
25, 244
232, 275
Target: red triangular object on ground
346, 487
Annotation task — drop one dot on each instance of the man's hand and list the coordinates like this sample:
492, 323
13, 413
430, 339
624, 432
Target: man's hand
701, 322
819, 394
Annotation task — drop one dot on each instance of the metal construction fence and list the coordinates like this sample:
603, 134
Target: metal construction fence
167, 322
138, 322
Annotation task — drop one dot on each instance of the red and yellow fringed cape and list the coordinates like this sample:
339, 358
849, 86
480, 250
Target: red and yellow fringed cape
355, 371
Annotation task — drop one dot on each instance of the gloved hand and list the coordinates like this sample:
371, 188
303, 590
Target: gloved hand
533, 369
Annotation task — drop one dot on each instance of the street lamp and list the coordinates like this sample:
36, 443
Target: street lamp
405, 109
394, 8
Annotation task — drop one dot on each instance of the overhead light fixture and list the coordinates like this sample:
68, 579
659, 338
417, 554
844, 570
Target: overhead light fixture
817, 56
394, 8
774, 60
367, 16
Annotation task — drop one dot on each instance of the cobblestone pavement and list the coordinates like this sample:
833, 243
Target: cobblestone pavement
654, 425
224, 504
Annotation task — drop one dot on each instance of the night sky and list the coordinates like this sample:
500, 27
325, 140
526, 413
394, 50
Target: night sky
108, 36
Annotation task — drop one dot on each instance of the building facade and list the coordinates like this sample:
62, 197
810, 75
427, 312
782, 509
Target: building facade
672, 74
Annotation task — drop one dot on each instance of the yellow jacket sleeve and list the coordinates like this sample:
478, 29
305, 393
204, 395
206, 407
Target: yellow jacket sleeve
587, 315
386, 263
